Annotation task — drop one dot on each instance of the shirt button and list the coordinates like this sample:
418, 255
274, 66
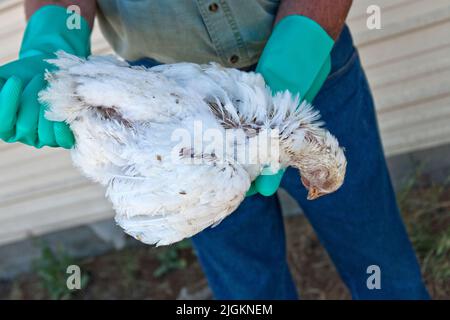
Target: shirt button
213, 7
234, 59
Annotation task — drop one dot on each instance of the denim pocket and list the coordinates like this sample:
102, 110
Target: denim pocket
343, 91
340, 72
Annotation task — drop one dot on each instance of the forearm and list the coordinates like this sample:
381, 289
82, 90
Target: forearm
87, 7
330, 14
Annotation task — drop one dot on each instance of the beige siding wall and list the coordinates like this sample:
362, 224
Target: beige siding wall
408, 66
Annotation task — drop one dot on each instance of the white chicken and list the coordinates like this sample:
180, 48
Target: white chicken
177, 146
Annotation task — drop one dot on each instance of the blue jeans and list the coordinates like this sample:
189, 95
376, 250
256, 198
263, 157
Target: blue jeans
244, 257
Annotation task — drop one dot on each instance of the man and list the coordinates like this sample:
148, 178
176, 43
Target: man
295, 45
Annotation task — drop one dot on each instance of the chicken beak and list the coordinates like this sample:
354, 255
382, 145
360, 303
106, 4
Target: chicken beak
314, 193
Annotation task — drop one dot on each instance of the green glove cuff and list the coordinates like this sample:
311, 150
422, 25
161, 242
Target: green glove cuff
319, 81
48, 31
295, 54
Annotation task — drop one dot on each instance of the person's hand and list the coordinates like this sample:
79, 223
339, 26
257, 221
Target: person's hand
22, 117
296, 58
268, 183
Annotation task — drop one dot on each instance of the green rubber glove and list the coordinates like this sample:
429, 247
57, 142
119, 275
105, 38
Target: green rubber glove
295, 58
21, 115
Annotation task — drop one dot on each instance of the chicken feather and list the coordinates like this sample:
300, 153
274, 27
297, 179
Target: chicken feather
164, 189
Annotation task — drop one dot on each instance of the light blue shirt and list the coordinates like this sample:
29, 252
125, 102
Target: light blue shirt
231, 32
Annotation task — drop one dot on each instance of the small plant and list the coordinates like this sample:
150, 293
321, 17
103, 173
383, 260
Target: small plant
51, 269
129, 269
411, 182
427, 215
170, 259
